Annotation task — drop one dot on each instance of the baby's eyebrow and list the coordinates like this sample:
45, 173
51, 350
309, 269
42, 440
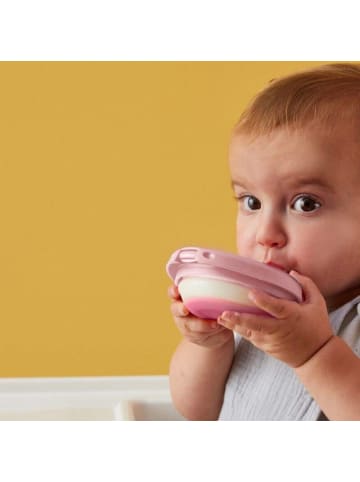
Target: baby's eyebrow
236, 183
297, 182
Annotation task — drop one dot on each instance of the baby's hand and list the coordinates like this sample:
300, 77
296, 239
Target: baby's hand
207, 333
296, 331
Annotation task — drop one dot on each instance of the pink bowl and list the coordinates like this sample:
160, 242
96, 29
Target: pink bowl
211, 281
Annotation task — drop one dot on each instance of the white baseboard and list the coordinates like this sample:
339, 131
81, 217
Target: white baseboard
87, 398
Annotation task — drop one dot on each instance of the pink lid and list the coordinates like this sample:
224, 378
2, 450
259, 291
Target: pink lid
209, 263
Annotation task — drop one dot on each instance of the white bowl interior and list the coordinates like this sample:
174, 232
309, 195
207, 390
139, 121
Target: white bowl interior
213, 288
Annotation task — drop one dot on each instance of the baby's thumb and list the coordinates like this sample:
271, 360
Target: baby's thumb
310, 290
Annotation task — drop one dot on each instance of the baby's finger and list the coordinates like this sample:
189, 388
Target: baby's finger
173, 292
310, 290
179, 309
276, 307
195, 325
247, 324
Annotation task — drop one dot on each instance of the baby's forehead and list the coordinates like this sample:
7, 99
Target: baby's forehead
314, 141
294, 157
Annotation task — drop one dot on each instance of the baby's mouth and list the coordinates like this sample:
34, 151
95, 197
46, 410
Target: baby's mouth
278, 266
267, 260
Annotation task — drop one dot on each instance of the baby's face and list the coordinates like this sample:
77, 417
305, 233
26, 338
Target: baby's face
299, 205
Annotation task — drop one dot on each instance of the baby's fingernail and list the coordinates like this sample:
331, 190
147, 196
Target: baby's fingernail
171, 292
230, 316
251, 296
225, 320
226, 316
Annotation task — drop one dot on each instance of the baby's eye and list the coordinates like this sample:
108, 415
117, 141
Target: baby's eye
306, 204
249, 203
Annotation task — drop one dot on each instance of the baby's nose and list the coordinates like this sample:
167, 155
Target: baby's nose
271, 234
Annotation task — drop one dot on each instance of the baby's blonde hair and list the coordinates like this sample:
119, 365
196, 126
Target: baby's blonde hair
326, 94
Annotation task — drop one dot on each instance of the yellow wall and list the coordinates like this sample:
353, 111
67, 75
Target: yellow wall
106, 168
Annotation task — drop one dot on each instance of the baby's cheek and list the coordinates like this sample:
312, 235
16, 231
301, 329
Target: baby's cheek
245, 242
319, 269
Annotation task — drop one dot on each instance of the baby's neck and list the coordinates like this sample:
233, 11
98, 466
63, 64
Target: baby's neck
338, 300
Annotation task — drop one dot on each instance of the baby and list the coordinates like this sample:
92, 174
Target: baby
295, 169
